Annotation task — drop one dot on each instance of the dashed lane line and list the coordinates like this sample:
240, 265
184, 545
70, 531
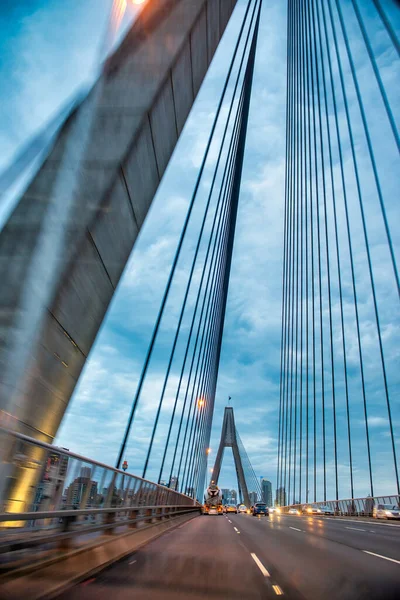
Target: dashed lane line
260, 565
277, 590
295, 528
355, 528
132, 562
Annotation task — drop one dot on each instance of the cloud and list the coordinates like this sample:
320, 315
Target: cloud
250, 360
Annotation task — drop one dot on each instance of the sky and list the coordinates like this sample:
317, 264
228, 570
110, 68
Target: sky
50, 50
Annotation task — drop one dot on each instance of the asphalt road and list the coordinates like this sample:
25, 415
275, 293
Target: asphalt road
242, 557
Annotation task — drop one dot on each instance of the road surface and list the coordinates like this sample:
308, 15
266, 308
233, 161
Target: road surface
242, 557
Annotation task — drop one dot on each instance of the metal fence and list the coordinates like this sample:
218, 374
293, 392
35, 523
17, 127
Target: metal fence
351, 507
36, 477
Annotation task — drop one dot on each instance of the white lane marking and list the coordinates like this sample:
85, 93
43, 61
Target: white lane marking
369, 522
355, 528
380, 556
229, 521
277, 590
260, 565
133, 561
235, 528
295, 528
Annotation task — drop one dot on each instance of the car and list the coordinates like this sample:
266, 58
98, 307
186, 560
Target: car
242, 509
213, 510
386, 511
311, 509
274, 510
231, 508
294, 511
260, 508
326, 510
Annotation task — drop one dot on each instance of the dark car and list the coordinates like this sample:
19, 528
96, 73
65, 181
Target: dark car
260, 508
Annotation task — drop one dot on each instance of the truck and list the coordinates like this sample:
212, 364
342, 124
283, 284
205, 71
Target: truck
212, 500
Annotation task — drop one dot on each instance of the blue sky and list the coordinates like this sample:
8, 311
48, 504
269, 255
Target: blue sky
50, 49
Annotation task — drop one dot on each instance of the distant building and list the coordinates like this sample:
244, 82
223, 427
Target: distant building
226, 494
253, 498
233, 499
281, 497
266, 490
81, 489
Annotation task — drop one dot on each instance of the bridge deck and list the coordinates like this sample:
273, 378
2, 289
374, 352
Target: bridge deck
306, 557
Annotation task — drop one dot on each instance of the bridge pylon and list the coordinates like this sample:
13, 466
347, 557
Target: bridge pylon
229, 440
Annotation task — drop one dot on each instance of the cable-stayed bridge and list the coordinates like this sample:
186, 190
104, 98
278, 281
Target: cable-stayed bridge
64, 246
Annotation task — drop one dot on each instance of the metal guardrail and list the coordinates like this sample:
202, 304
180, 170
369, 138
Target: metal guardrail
41, 483
350, 507
60, 527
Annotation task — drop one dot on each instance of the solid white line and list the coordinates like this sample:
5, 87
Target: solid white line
260, 565
355, 528
295, 528
380, 556
133, 561
371, 523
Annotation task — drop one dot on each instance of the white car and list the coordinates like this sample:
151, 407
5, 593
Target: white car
242, 509
386, 511
294, 511
274, 510
325, 510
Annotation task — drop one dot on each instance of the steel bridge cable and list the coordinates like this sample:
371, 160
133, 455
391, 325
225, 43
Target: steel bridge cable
379, 191
304, 120
296, 252
218, 160
376, 72
337, 254
345, 200
224, 295
283, 315
356, 172
313, 333
238, 165
227, 195
197, 336
388, 25
192, 402
320, 66
179, 247
172, 353
369, 142
291, 294
288, 243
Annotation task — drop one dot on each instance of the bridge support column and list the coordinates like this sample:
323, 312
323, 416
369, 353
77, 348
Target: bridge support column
133, 514
109, 519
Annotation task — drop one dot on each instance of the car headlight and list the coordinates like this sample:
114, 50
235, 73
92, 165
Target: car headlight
388, 512
278, 510
318, 510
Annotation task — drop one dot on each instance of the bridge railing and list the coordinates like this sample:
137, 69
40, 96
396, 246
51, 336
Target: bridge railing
350, 507
57, 484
